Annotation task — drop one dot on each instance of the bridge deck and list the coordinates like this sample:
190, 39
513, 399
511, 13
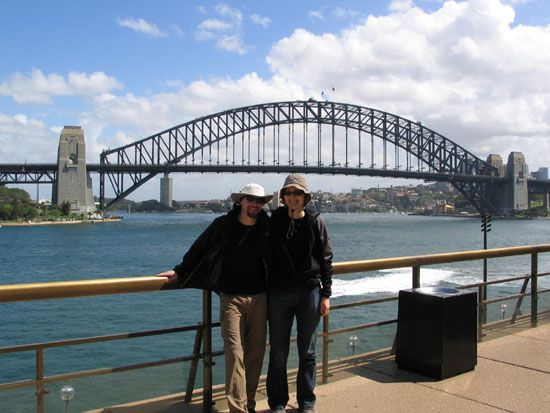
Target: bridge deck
512, 375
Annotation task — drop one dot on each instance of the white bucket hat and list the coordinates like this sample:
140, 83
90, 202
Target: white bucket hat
252, 190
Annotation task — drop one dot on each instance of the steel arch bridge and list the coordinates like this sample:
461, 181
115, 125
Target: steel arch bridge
311, 136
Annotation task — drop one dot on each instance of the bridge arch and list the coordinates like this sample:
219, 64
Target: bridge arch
292, 136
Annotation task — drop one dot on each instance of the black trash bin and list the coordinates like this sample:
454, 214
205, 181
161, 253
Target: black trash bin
436, 331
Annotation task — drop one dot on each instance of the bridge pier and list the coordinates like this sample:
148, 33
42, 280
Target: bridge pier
513, 195
73, 183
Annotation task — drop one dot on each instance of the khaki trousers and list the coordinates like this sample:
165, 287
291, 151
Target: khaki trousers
243, 327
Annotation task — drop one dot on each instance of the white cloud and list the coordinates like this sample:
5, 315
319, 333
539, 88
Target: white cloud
261, 21
465, 70
401, 6
40, 88
216, 25
147, 115
316, 15
225, 30
142, 26
229, 12
25, 139
340, 12
232, 43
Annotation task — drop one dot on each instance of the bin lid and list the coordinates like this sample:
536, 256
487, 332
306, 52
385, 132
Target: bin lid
437, 291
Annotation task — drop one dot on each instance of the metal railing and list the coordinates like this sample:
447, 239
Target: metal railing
58, 290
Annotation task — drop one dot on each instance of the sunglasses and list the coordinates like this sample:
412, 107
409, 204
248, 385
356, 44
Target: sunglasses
251, 198
295, 193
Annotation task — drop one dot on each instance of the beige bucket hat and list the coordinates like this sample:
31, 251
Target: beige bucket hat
299, 182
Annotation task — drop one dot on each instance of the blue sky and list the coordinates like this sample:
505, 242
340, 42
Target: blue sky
475, 71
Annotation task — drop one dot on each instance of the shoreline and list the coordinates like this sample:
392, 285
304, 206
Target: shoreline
76, 221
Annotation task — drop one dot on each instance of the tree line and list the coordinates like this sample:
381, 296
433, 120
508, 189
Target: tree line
16, 205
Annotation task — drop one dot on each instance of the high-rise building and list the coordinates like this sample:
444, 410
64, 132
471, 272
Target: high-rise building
166, 191
542, 173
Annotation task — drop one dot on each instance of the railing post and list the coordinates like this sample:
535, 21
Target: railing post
40, 390
326, 342
194, 364
416, 277
481, 305
534, 293
207, 351
517, 310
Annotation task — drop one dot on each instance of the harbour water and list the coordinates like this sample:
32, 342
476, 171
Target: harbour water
145, 244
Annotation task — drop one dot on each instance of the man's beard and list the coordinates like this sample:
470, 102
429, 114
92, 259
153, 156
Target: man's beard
253, 213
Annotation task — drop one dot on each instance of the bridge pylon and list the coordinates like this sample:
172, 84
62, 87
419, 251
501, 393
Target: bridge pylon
73, 183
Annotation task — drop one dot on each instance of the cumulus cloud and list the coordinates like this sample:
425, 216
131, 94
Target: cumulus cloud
142, 26
233, 43
147, 115
465, 69
41, 88
401, 5
26, 139
225, 29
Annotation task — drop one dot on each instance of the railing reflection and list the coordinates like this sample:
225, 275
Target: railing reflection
203, 338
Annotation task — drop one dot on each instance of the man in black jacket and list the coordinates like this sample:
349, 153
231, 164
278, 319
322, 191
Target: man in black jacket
229, 257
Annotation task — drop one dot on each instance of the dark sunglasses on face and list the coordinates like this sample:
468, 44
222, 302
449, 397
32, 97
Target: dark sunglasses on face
295, 193
251, 198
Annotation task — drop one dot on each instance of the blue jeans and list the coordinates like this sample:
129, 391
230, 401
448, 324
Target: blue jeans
283, 305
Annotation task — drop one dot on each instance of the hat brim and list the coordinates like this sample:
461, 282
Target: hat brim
297, 186
307, 195
236, 197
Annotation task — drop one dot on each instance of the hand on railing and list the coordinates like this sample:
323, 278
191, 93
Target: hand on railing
325, 306
172, 282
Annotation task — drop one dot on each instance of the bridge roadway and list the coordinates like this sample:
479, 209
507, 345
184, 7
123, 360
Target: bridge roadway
30, 173
512, 375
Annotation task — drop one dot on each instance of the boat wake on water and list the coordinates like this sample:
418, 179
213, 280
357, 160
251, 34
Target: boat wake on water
388, 281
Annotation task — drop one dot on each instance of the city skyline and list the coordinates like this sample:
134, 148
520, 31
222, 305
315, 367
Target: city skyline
473, 71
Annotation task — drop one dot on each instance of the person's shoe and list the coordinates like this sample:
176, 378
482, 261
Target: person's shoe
308, 410
278, 409
251, 410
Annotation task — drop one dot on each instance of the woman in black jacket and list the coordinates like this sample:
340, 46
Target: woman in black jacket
300, 280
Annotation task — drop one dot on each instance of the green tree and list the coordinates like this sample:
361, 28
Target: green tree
65, 208
15, 204
6, 212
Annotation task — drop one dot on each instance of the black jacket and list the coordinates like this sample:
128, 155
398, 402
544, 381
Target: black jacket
317, 271
202, 265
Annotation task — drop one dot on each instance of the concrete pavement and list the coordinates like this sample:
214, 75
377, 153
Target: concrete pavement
512, 375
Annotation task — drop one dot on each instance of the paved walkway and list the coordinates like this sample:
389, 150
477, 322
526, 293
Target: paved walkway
512, 375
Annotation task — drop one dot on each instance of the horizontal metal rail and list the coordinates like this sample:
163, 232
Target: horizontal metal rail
56, 290
67, 289
98, 339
